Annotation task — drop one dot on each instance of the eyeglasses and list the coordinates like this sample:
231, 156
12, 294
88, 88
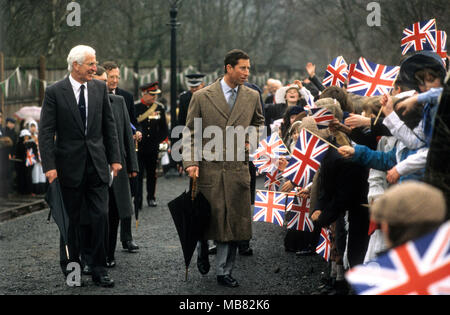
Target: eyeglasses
91, 64
114, 77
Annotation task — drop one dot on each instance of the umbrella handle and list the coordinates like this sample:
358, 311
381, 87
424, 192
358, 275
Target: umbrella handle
194, 188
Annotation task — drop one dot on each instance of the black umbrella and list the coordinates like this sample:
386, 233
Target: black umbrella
191, 213
58, 211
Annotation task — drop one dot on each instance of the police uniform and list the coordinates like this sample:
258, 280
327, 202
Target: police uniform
152, 123
194, 80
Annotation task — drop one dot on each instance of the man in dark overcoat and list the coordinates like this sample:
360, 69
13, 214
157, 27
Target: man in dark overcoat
79, 146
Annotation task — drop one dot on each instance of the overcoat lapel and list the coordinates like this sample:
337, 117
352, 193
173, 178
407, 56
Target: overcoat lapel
242, 103
72, 102
92, 105
217, 98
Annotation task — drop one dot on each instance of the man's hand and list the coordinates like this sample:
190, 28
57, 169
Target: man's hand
346, 151
132, 174
116, 167
193, 171
51, 175
311, 69
392, 176
315, 216
356, 121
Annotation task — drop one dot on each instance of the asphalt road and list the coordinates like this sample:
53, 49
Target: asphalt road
29, 259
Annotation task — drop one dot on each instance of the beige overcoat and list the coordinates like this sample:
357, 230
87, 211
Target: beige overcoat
224, 183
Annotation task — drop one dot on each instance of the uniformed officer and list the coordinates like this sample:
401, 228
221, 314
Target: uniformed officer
151, 118
195, 83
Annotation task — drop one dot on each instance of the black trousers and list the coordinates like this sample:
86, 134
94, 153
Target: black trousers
113, 226
358, 236
92, 194
147, 159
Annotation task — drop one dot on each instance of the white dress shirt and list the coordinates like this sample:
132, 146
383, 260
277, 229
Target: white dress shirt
76, 86
227, 90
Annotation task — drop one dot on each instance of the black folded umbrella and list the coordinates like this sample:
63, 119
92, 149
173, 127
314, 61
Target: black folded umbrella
191, 213
58, 211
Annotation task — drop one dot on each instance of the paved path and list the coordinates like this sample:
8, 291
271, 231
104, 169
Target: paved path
29, 258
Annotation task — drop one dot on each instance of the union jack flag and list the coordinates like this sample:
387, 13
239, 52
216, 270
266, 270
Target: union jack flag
297, 216
417, 36
322, 117
324, 246
336, 73
418, 267
351, 70
305, 159
273, 180
439, 43
270, 206
267, 164
31, 158
266, 157
273, 145
371, 79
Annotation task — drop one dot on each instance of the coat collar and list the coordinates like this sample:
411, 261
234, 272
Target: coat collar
217, 98
72, 101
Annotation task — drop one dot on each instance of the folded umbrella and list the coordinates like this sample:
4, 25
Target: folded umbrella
191, 213
58, 211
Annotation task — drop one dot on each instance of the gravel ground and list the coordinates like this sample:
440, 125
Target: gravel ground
29, 259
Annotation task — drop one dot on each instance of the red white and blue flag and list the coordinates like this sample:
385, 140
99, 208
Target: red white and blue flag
31, 158
417, 37
298, 216
371, 79
266, 157
336, 73
324, 246
273, 180
305, 159
439, 43
322, 116
270, 206
418, 267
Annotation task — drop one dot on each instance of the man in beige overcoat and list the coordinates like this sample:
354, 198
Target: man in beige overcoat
224, 179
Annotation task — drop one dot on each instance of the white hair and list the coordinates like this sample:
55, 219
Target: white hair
78, 54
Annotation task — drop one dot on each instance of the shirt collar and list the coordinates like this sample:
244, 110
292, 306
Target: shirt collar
226, 88
75, 84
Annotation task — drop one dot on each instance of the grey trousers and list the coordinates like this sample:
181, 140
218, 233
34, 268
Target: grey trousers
226, 255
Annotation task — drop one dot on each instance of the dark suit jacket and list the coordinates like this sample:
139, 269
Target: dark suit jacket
129, 102
121, 184
68, 153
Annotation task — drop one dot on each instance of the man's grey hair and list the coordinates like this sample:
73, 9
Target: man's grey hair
78, 54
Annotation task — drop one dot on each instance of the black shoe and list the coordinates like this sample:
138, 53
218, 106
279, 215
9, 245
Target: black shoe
152, 203
203, 265
87, 271
110, 263
227, 281
340, 288
212, 250
246, 252
130, 246
103, 281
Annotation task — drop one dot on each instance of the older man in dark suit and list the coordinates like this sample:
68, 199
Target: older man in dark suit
79, 145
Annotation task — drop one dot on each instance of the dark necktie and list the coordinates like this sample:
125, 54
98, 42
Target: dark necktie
82, 106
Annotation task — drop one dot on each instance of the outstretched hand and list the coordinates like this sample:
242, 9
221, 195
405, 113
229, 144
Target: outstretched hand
346, 151
311, 69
